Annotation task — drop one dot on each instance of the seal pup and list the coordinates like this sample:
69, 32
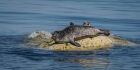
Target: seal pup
86, 23
76, 32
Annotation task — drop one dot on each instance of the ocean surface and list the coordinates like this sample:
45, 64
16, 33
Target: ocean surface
21, 17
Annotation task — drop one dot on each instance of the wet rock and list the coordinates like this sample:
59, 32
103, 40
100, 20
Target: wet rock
41, 39
37, 38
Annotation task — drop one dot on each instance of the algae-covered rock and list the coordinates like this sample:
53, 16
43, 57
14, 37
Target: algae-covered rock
117, 41
87, 44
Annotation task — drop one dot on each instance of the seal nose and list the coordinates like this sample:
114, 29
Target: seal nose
53, 36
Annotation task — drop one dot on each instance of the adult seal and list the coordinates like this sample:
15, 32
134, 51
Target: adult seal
76, 32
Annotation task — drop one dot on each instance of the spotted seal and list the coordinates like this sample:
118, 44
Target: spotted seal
86, 23
76, 32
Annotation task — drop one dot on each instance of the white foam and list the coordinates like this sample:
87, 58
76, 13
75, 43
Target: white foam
42, 34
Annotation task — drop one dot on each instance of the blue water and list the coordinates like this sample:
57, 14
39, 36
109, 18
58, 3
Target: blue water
20, 17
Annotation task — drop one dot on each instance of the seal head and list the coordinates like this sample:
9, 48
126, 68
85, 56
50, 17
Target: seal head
86, 23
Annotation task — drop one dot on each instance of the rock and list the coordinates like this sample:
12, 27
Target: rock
117, 41
87, 44
90, 44
37, 38
41, 39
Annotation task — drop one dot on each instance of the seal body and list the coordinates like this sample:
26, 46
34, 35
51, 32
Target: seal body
76, 32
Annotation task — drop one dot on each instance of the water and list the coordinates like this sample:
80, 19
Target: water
20, 17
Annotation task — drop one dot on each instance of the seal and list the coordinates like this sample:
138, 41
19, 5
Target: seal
86, 23
76, 32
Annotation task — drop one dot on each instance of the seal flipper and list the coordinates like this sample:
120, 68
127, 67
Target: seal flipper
52, 44
75, 44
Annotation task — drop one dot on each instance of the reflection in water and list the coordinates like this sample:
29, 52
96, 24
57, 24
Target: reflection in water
86, 60
94, 63
96, 59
